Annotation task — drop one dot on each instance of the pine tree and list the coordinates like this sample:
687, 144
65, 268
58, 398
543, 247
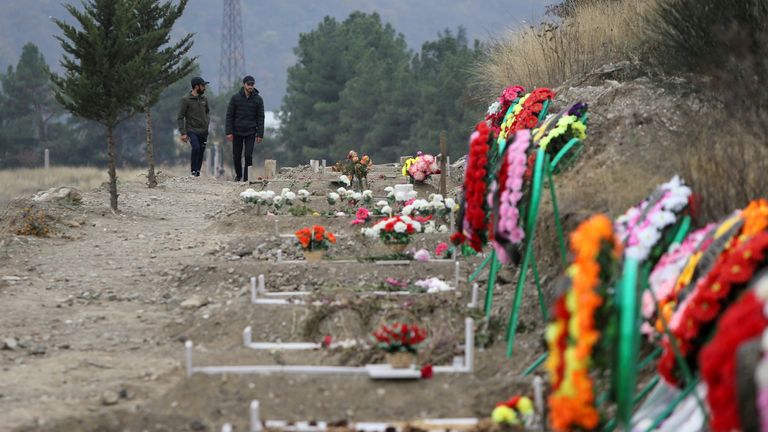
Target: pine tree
103, 64
165, 64
29, 101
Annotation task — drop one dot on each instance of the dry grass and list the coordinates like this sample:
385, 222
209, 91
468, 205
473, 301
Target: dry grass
727, 167
597, 33
27, 181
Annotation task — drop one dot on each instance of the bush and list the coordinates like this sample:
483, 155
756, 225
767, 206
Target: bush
32, 222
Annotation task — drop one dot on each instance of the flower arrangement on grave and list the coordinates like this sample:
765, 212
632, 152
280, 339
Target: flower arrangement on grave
663, 280
367, 196
474, 214
288, 196
401, 340
557, 130
575, 337
442, 249
354, 167
498, 109
420, 168
361, 216
506, 193
516, 411
395, 231
303, 195
525, 113
314, 241
743, 321
642, 227
696, 316
261, 197
333, 198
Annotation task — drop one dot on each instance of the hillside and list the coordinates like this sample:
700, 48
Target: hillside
271, 29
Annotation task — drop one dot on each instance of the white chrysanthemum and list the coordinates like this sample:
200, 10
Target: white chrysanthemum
341, 214
303, 193
284, 191
249, 193
357, 196
494, 108
381, 203
412, 194
289, 196
401, 196
407, 210
341, 191
387, 210
450, 204
416, 226
443, 229
344, 179
367, 193
389, 189
429, 227
436, 197
400, 227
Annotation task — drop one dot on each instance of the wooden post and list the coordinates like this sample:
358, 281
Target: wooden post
216, 160
47, 159
443, 155
270, 168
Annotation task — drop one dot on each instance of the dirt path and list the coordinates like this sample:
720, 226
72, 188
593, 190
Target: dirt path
93, 327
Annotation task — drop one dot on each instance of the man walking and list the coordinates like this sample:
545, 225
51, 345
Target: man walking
193, 122
245, 125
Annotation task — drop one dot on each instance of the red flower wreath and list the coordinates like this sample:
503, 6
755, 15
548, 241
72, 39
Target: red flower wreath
532, 106
733, 269
475, 224
742, 321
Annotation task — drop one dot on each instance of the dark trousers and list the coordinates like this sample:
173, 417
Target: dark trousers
197, 141
240, 142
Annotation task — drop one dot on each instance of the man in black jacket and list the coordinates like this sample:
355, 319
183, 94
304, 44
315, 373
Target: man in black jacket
245, 125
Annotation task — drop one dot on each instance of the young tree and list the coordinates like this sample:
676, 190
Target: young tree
165, 64
103, 64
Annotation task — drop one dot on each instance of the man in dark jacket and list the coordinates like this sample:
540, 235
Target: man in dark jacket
193, 122
245, 125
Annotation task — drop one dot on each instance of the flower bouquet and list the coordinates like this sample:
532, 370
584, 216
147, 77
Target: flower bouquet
420, 168
473, 217
557, 130
394, 231
400, 340
314, 242
354, 167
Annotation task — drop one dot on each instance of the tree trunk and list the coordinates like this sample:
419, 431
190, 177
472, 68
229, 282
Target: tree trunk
151, 179
111, 163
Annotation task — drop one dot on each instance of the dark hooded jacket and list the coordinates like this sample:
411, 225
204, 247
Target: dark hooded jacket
245, 115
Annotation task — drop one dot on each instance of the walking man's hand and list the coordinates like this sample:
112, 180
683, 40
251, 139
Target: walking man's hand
259, 140
230, 137
184, 138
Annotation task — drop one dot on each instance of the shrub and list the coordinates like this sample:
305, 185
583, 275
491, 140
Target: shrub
32, 222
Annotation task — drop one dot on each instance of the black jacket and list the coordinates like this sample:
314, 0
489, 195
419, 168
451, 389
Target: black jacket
245, 115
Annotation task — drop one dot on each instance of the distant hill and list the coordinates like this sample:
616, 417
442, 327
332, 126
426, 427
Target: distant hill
271, 28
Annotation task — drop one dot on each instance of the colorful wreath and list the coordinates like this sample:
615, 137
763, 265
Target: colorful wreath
641, 227
525, 114
691, 323
742, 321
506, 194
499, 109
557, 130
474, 223
573, 334
665, 276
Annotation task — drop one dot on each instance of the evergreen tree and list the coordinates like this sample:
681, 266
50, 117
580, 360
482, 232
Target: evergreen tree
28, 106
103, 64
444, 103
165, 64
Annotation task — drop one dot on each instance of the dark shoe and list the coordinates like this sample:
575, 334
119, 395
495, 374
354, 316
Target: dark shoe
237, 179
197, 173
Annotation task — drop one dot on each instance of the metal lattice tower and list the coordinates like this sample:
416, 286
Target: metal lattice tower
232, 61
